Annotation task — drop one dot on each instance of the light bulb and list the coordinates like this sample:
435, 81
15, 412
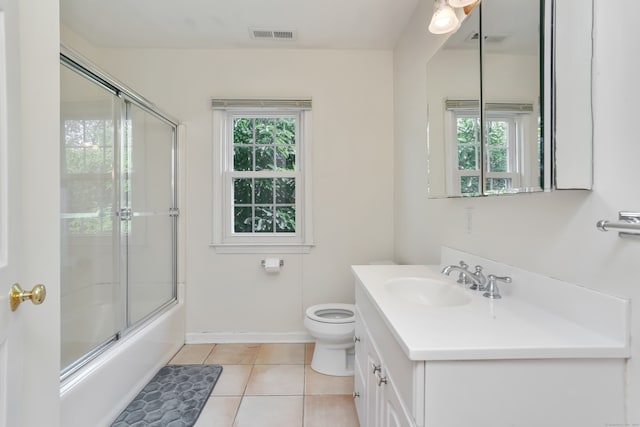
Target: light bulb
460, 3
444, 19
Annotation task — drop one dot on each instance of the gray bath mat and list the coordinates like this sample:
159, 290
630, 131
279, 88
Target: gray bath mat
173, 398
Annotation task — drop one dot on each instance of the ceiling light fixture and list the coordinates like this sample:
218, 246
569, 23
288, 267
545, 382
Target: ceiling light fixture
444, 18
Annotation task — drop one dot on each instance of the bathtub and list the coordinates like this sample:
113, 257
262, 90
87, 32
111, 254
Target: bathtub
99, 391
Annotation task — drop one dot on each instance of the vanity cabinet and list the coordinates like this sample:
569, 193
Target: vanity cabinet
377, 401
385, 380
392, 390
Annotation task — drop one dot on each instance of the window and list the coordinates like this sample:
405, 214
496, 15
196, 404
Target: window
261, 166
505, 125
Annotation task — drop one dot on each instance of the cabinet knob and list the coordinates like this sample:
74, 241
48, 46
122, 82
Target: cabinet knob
375, 368
381, 380
356, 394
356, 339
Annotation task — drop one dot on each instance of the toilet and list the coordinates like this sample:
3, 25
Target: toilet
333, 327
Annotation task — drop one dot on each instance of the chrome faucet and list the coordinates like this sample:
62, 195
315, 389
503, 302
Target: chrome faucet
492, 289
471, 277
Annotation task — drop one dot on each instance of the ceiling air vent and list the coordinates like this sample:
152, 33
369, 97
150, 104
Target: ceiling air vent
264, 34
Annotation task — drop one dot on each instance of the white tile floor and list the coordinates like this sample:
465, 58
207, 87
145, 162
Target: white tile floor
270, 385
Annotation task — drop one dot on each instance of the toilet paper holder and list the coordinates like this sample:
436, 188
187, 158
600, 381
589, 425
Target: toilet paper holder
264, 262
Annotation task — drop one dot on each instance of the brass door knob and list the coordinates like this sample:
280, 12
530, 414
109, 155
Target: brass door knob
36, 295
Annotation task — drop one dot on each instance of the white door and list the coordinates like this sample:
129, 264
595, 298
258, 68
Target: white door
29, 209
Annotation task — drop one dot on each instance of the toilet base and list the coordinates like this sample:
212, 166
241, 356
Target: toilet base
333, 359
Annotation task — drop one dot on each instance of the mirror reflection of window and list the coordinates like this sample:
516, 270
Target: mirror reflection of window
493, 65
507, 129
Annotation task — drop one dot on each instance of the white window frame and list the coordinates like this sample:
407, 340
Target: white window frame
224, 240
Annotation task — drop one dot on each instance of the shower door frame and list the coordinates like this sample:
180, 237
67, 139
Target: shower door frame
126, 98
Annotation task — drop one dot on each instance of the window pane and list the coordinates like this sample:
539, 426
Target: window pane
498, 184
498, 161
498, 133
74, 226
74, 159
468, 130
286, 131
264, 191
93, 132
73, 132
286, 219
285, 190
264, 158
242, 191
242, 158
107, 163
470, 185
242, 220
467, 158
286, 157
94, 160
242, 131
264, 219
265, 129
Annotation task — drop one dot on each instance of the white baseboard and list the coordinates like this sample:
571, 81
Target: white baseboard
247, 337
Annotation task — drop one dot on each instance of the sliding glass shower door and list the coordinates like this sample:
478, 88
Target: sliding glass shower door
91, 305
150, 238
118, 218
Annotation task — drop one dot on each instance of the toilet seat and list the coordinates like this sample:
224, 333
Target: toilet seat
332, 313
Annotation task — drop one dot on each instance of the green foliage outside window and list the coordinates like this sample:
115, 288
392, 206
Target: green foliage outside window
497, 146
470, 185
264, 205
496, 151
468, 130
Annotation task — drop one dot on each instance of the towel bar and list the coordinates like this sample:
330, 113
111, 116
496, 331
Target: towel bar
628, 224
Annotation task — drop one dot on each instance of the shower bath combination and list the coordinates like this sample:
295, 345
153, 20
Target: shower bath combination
118, 167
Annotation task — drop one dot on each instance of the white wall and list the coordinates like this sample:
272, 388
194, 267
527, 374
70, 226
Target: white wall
550, 233
352, 94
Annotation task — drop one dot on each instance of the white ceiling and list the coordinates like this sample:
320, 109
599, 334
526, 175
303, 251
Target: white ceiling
322, 24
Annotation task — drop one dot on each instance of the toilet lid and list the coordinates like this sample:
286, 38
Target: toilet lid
332, 313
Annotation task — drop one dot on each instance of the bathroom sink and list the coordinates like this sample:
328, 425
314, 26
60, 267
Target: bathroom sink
429, 292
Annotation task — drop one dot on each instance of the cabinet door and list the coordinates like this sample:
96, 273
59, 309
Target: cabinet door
373, 397
359, 393
391, 408
361, 370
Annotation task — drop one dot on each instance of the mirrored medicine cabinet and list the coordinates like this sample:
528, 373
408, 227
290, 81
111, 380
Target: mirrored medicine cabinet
509, 106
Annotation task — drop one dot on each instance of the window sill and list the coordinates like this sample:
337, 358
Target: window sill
261, 248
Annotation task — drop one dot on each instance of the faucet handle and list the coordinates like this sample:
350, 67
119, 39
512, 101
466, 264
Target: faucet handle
492, 288
462, 278
482, 280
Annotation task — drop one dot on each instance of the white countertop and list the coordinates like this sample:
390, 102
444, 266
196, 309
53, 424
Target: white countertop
508, 328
